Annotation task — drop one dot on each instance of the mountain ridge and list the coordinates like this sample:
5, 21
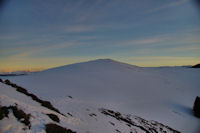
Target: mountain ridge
92, 62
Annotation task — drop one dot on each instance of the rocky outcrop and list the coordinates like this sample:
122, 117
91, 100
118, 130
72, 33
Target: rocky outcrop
196, 107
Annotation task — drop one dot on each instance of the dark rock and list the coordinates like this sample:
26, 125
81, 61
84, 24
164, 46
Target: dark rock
21, 115
196, 66
54, 117
3, 112
7, 82
196, 107
18, 113
54, 128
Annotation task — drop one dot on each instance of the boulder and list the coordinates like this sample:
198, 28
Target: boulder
196, 107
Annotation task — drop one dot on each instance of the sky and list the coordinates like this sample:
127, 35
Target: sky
41, 34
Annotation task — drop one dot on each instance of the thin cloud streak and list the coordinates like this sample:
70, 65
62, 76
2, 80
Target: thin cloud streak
146, 41
155, 61
80, 28
185, 48
168, 5
178, 38
41, 49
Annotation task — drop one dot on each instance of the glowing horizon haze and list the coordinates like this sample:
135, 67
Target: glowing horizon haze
40, 34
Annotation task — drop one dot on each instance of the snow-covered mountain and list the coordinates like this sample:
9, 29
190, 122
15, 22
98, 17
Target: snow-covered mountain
108, 96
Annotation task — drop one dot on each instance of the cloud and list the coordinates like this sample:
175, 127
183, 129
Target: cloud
161, 60
88, 37
182, 37
146, 41
80, 28
28, 51
168, 5
185, 48
4, 37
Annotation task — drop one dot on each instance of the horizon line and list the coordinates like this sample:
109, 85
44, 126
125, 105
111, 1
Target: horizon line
38, 69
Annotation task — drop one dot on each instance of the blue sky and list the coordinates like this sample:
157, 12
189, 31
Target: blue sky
37, 34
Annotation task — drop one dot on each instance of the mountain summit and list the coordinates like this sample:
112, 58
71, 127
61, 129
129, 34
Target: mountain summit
94, 64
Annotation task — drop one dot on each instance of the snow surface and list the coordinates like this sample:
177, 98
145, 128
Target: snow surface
163, 94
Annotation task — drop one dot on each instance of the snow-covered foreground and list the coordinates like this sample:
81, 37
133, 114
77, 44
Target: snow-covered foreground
83, 90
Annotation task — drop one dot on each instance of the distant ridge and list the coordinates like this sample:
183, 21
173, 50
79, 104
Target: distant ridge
97, 63
196, 66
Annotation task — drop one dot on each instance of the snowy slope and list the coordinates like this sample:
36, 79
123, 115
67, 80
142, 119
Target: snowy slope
163, 94
9, 96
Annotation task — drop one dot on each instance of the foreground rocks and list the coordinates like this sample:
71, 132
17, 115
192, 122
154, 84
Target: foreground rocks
138, 124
